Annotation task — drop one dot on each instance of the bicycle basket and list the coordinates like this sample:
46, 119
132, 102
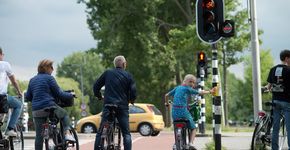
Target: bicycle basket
65, 102
62, 102
195, 112
4, 107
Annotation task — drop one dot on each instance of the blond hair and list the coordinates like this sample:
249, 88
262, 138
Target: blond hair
44, 66
189, 77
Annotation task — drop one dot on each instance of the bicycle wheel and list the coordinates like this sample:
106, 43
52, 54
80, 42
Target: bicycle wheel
178, 139
107, 138
118, 133
73, 145
50, 142
282, 135
259, 135
18, 142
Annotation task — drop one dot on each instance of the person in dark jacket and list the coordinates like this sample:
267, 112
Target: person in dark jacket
42, 91
120, 90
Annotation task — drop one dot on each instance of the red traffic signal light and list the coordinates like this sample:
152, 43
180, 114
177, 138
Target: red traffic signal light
209, 16
208, 4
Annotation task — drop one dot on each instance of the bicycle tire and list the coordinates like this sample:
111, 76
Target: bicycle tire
17, 143
282, 135
178, 139
118, 130
50, 142
106, 138
261, 127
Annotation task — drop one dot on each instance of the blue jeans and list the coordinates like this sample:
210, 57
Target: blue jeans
16, 105
122, 115
280, 108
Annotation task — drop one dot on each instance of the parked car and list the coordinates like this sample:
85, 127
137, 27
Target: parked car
143, 118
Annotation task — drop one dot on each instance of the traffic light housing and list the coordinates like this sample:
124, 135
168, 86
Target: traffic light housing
227, 28
202, 65
209, 17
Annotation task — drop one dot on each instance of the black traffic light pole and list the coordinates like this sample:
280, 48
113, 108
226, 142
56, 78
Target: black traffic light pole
217, 109
201, 75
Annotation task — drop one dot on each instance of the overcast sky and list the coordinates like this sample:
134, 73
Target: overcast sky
31, 30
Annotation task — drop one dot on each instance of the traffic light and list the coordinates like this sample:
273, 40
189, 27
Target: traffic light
201, 58
209, 17
227, 28
202, 66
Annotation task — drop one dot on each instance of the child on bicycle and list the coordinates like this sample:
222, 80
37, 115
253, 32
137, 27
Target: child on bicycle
42, 91
181, 95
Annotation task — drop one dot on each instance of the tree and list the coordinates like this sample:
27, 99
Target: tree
70, 84
89, 64
242, 107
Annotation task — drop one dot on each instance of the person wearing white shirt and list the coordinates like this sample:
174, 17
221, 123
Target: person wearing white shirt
15, 103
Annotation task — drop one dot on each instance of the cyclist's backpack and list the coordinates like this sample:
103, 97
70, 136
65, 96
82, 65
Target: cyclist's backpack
4, 107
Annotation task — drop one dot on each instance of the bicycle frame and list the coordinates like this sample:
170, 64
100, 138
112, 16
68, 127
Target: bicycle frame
54, 135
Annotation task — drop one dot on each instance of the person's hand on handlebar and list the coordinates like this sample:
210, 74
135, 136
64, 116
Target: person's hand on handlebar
74, 94
131, 101
100, 98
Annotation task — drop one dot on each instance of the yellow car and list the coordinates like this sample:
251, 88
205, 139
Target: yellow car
143, 118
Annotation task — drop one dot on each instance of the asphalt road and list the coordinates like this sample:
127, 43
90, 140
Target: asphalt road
164, 141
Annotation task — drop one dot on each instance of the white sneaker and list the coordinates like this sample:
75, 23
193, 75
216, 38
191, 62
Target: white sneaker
11, 133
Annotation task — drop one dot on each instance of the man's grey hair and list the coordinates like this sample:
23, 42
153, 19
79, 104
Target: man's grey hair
119, 61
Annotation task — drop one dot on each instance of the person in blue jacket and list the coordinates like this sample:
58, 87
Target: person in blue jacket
42, 92
120, 90
181, 97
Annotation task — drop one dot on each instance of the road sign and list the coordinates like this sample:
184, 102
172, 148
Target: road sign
83, 106
84, 113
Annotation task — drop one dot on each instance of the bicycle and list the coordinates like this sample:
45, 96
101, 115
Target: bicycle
109, 130
263, 130
53, 134
9, 142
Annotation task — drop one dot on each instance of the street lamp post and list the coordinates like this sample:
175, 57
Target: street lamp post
83, 105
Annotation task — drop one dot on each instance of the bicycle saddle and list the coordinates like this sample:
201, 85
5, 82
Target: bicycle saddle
51, 109
181, 120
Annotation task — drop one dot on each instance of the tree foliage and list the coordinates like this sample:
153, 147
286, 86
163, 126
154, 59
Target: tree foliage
244, 102
86, 65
